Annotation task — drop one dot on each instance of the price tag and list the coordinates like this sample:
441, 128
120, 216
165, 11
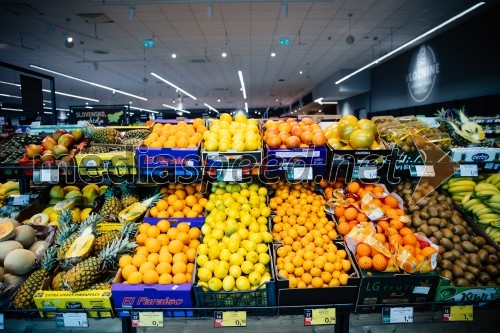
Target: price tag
21, 200
230, 319
367, 172
299, 173
458, 313
46, 175
468, 170
423, 171
229, 175
150, 319
2, 325
35, 124
325, 316
72, 320
397, 315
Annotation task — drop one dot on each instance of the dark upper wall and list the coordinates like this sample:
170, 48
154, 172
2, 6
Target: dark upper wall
469, 66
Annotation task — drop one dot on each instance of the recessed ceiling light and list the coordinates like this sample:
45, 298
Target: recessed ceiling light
174, 55
273, 53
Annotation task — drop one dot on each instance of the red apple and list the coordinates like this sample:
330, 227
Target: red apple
48, 143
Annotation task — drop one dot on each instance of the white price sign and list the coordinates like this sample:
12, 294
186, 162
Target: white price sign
46, 175
230, 175
425, 170
21, 200
397, 315
300, 173
72, 320
367, 172
468, 170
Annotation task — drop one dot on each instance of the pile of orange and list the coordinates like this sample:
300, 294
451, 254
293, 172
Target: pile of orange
329, 187
389, 234
165, 254
181, 200
180, 135
293, 134
348, 217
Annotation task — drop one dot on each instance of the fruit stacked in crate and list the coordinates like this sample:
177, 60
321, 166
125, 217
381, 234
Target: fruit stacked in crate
180, 135
464, 257
234, 254
240, 134
479, 196
293, 134
181, 200
307, 256
350, 133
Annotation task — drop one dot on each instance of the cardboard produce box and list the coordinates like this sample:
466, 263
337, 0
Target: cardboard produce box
448, 293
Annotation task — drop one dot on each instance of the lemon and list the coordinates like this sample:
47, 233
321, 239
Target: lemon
240, 118
233, 245
221, 271
265, 277
226, 117
225, 254
246, 267
254, 227
265, 211
267, 237
211, 145
214, 252
245, 218
210, 265
263, 227
254, 278
235, 271
262, 220
211, 243
260, 268
215, 284
239, 145
242, 283
249, 245
217, 234
261, 248
204, 274
206, 229
236, 259
252, 256
201, 260
228, 283
242, 251
224, 145
264, 258
255, 237
202, 249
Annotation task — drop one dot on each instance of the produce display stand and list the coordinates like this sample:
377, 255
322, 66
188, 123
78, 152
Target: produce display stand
284, 303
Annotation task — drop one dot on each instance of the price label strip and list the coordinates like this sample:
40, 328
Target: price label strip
365, 172
468, 170
229, 175
458, 313
397, 315
72, 320
230, 319
46, 175
422, 171
325, 316
147, 319
299, 173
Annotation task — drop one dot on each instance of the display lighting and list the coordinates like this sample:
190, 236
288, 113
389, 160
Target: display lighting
320, 101
273, 53
405, 45
11, 109
174, 55
211, 108
176, 109
88, 82
242, 82
246, 107
142, 109
58, 109
11, 96
173, 85
57, 92
224, 54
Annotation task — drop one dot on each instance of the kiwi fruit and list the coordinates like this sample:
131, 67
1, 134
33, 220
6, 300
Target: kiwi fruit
447, 244
473, 270
483, 255
461, 264
441, 249
461, 282
449, 256
465, 237
457, 254
455, 239
458, 230
457, 271
458, 247
446, 214
492, 271
478, 241
474, 260
434, 228
434, 221
446, 274
484, 278
492, 259
438, 235
490, 249
469, 247
433, 212
447, 233
446, 264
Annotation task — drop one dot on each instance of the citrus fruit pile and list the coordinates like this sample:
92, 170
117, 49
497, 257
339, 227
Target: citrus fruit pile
308, 257
181, 200
234, 254
350, 133
165, 254
180, 135
224, 134
293, 134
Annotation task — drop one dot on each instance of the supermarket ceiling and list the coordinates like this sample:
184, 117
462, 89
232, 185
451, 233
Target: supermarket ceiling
109, 46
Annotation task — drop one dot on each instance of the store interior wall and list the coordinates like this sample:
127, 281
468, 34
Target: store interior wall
468, 68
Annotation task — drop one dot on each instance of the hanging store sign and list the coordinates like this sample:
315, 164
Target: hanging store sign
100, 115
422, 73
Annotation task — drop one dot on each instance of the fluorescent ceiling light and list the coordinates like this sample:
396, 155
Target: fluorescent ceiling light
88, 82
12, 96
46, 112
173, 85
142, 109
320, 101
454, 18
176, 109
246, 107
57, 92
240, 74
58, 109
10, 109
211, 108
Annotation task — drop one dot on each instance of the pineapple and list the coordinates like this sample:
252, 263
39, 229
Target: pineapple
128, 229
100, 286
138, 209
24, 297
87, 272
129, 196
103, 135
89, 222
111, 207
58, 281
135, 137
462, 131
66, 227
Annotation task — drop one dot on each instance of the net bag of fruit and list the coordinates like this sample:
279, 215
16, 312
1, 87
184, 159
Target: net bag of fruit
421, 259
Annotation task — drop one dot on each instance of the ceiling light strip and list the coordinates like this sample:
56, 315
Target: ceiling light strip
454, 18
57, 92
10, 109
11, 96
58, 109
246, 107
176, 109
88, 82
211, 108
142, 109
173, 85
242, 82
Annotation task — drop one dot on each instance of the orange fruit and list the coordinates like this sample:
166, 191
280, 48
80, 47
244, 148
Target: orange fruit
351, 213
353, 187
181, 194
410, 239
154, 258
194, 233
153, 231
135, 278
365, 262
140, 239
143, 228
138, 260
163, 268
391, 201
171, 199
317, 282
343, 228
153, 211
126, 270
363, 249
180, 278
191, 254
396, 238
164, 225
153, 245
379, 262
141, 250
163, 238
180, 257
179, 267
427, 251
125, 260
165, 279
146, 266
175, 246
183, 237
150, 277
165, 256
161, 205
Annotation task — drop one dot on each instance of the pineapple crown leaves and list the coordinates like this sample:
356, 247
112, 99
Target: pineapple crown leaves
151, 201
116, 247
65, 217
65, 231
91, 221
129, 229
126, 190
49, 259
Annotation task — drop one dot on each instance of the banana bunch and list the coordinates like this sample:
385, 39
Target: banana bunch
493, 233
7, 189
459, 188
